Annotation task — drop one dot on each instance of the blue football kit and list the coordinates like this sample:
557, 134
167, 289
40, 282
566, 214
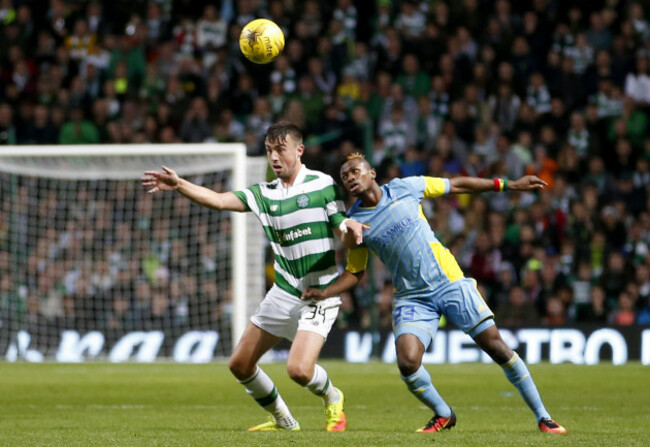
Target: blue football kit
427, 279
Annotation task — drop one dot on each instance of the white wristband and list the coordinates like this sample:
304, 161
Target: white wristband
343, 227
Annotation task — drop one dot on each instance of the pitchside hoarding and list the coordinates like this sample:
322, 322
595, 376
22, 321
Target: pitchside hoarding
579, 345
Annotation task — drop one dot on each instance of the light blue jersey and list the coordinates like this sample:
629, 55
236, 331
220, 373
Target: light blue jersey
402, 238
428, 281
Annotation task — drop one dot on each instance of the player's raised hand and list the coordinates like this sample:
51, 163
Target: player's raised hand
357, 229
160, 181
527, 183
312, 294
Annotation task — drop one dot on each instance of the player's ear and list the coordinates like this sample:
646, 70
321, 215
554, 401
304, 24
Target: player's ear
300, 150
373, 173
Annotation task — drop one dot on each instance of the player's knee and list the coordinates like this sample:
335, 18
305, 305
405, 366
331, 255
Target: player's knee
408, 363
241, 368
493, 344
299, 373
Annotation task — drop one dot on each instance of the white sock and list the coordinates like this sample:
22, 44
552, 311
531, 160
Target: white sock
322, 386
263, 390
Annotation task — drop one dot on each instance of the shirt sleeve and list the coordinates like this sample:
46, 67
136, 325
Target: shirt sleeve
413, 185
334, 205
241, 195
436, 186
357, 259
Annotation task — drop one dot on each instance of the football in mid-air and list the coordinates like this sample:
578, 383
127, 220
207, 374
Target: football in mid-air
261, 41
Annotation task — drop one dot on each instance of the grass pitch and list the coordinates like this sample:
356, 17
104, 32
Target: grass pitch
202, 405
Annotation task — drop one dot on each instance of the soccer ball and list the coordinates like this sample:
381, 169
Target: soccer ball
261, 41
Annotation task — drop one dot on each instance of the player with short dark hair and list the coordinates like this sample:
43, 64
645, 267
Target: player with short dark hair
300, 211
427, 279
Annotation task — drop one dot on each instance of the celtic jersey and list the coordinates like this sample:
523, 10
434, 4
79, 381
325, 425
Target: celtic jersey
298, 221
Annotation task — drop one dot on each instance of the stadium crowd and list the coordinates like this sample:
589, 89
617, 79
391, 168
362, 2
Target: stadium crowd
493, 88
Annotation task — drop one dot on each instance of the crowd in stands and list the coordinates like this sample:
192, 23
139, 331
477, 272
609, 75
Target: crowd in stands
491, 88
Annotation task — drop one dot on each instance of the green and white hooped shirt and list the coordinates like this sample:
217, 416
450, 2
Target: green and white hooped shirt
298, 221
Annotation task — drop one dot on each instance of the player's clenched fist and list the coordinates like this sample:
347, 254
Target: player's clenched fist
313, 294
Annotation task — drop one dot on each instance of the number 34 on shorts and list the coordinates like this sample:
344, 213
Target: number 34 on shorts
317, 314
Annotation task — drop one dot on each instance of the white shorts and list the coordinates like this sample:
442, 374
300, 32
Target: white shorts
282, 314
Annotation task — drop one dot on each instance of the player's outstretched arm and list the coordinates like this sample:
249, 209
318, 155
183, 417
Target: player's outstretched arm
353, 235
527, 183
344, 282
464, 185
168, 180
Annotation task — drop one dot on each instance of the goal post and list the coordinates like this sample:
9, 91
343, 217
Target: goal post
77, 222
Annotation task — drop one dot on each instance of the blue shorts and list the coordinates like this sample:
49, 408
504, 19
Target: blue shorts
460, 302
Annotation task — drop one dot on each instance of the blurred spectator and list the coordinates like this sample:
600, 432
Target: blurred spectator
554, 312
624, 313
395, 132
598, 35
485, 261
517, 312
614, 278
637, 83
505, 106
644, 316
211, 30
228, 129
346, 13
543, 166
614, 231
538, 95
639, 21
120, 317
412, 164
284, 75
195, 127
582, 284
414, 81
410, 21
311, 100
40, 130
312, 17
82, 41
78, 130
595, 311
428, 125
578, 136
324, 79
243, 97
608, 99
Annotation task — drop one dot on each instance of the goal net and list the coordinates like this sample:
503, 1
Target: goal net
91, 266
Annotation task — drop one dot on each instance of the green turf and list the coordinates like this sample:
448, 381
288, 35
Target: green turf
201, 405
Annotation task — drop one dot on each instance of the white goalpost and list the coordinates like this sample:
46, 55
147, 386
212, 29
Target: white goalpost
91, 266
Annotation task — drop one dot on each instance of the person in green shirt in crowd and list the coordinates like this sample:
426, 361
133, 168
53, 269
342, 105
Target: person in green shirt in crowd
78, 130
414, 81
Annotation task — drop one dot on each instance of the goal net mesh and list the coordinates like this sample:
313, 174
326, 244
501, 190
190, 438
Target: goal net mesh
85, 250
